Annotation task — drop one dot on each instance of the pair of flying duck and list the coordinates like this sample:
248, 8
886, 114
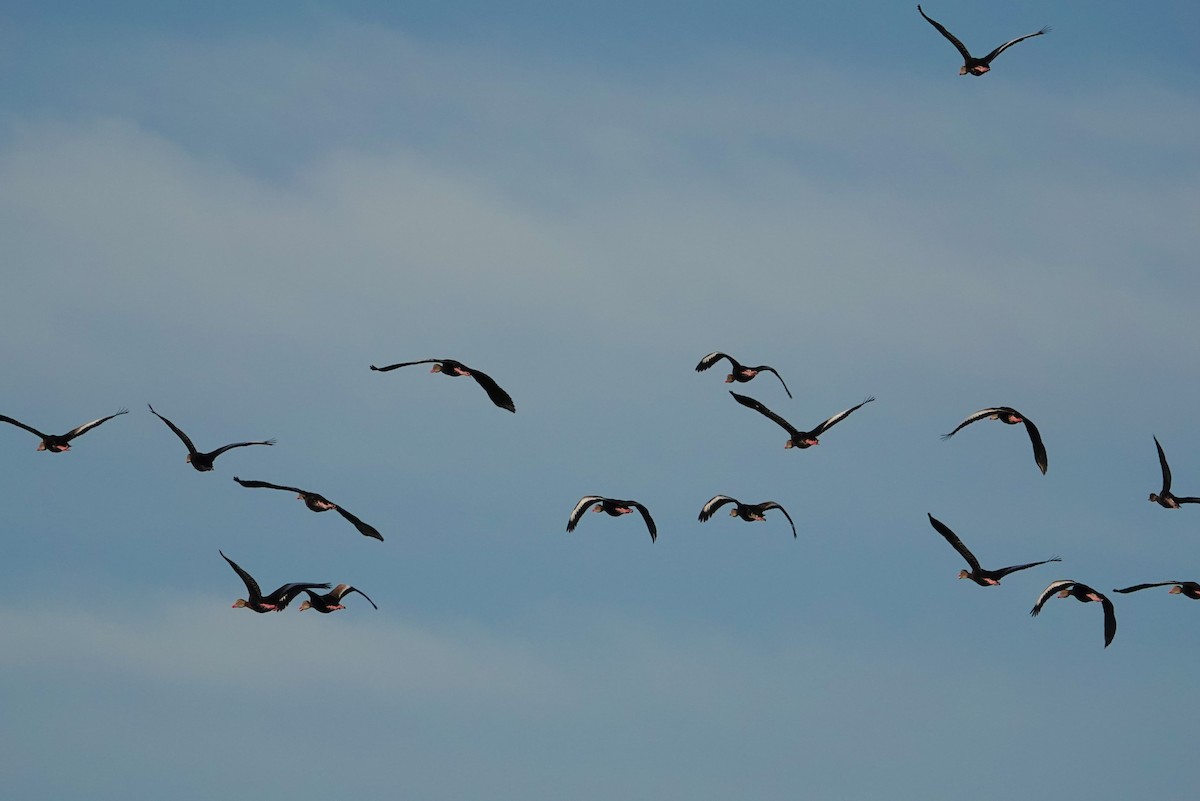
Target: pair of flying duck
278, 600
750, 512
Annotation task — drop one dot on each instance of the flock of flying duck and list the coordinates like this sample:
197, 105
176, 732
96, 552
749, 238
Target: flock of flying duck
280, 598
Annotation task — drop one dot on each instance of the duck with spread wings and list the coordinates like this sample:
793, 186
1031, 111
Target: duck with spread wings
277, 601
750, 512
317, 503
738, 371
1084, 594
453, 369
58, 443
204, 461
977, 573
798, 438
972, 65
1010, 416
613, 507
1164, 497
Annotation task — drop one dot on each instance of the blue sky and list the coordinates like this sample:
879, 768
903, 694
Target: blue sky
230, 214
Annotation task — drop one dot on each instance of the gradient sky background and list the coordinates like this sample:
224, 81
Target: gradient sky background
230, 213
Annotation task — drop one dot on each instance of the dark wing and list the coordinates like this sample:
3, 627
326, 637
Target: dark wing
988, 58
965, 53
1137, 587
773, 505
1186, 500
751, 403
1110, 620
404, 364
1166, 470
1004, 571
251, 585
1055, 586
580, 508
187, 442
952, 538
284, 594
267, 485
1039, 450
363, 528
766, 369
837, 418
498, 395
649, 520
979, 415
224, 448
713, 504
75, 432
714, 357
342, 590
19, 424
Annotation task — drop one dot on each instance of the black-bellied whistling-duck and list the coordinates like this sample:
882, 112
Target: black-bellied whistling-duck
332, 600
613, 507
1009, 415
798, 439
1164, 497
972, 65
317, 503
1188, 589
452, 368
977, 574
276, 601
57, 443
204, 461
749, 512
1084, 594
738, 371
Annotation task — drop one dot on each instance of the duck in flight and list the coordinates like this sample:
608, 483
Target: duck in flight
1009, 415
57, 443
738, 371
1084, 594
798, 438
978, 574
204, 461
1164, 497
317, 503
749, 512
276, 601
453, 369
1188, 589
613, 507
332, 600
972, 65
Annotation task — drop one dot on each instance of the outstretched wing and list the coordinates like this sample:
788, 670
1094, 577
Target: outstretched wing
714, 357
649, 520
1138, 587
952, 538
251, 585
342, 590
182, 436
224, 448
75, 432
713, 504
979, 415
751, 403
773, 505
988, 58
580, 508
404, 364
953, 40
837, 418
1039, 450
19, 424
498, 395
765, 369
1004, 571
284, 594
1110, 620
1166, 469
1055, 586
363, 528
267, 485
